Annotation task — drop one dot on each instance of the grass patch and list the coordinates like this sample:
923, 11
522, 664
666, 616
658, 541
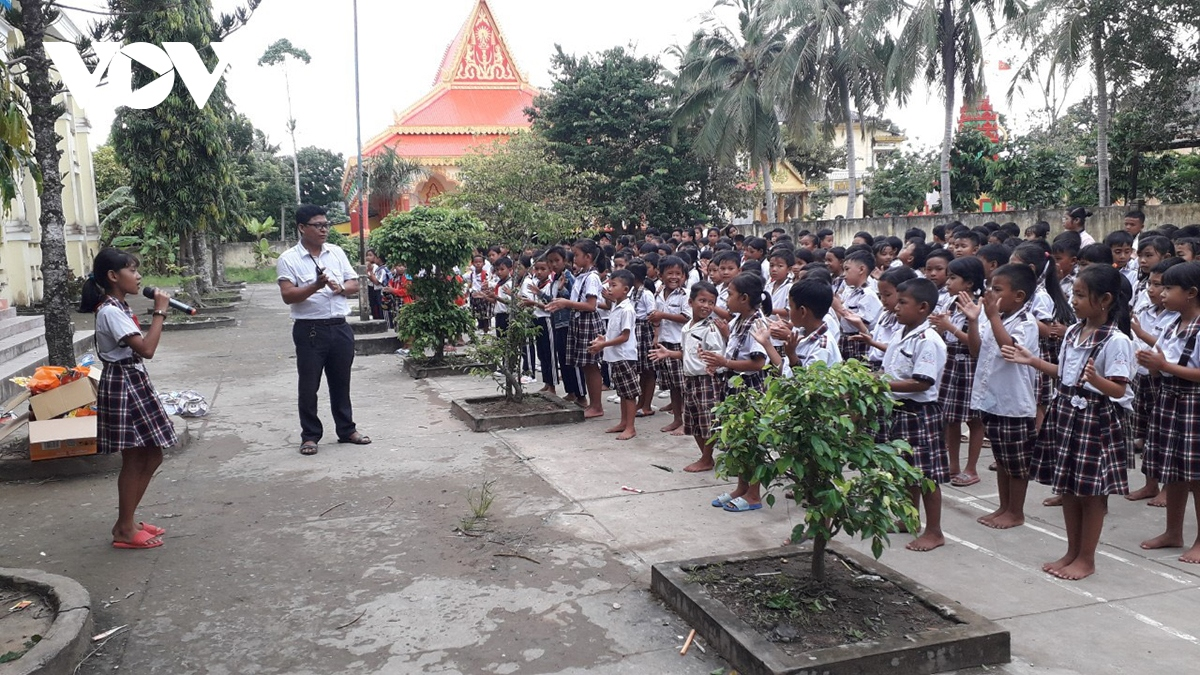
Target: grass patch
260, 275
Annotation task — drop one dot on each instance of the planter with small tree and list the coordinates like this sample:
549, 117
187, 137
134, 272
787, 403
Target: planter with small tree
787, 610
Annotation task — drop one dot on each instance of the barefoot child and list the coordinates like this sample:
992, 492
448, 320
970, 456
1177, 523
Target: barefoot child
914, 362
743, 356
671, 315
1005, 393
131, 418
560, 318
644, 305
964, 275
585, 324
619, 347
1081, 451
705, 332
1172, 455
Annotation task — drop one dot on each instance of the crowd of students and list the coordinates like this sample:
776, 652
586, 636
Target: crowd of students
1070, 357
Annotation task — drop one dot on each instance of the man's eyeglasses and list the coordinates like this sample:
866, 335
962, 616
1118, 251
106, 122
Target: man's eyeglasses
321, 226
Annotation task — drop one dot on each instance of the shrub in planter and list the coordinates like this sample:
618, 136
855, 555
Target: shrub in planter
815, 434
431, 242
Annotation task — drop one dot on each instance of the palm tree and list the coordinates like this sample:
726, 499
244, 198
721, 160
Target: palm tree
389, 174
723, 84
832, 68
277, 54
943, 39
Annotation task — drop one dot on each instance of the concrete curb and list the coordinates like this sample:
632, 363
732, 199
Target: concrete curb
71, 467
564, 413
66, 643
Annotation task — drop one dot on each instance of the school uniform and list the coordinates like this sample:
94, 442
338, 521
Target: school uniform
643, 305
866, 304
129, 412
477, 280
954, 390
815, 347
1130, 272
1006, 394
779, 299
543, 345
1155, 321
585, 326
943, 301
1081, 448
919, 354
622, 358
561, 321
1067, 283
670, 335
503, 293
885, 328
743, 347
1172, 451
1042, 308
699, 388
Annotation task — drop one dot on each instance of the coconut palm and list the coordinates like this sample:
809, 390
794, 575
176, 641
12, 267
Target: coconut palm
389, 175
832, 68
277, 54
942, 40
723, 83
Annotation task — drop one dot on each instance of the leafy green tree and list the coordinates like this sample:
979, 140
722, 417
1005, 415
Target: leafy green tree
110, 173
901, 181
608, 118
1029, 176
321, 176
1182, 184
430, 242
813, 157
942, 41
970, 159
261, 173
277, 55
815, 434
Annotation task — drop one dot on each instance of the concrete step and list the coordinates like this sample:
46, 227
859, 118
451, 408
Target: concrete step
25, 363
20, 324
7, 313
13, 346
378, 343
370, 326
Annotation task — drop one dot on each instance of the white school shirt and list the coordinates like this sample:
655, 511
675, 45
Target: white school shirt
1131, 275
1085, 239
835, 326
1114, 360
602, 311
918, 354
112, 327
698, 335
531, 291
958, 320
861, 301
477, 278
587, 285
816, 347
693, 276
885, 328
620, 319
1154, 321
943, 301
723, 296
643, 304
1173, 342
779, 299
747, 346
675, 303
1042, 305
1067, 283
1001, 387
299, 267
503, 293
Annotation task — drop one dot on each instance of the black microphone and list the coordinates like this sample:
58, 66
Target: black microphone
149, 292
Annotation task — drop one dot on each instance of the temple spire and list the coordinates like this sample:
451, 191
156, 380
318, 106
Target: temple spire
479, 55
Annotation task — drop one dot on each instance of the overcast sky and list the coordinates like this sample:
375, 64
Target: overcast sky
401, 44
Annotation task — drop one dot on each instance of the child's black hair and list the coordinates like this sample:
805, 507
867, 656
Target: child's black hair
1011, 229
702, 286
970, 269
1185, 275
783, 254
942, 253
1165, 264
1158, 243
921, 290
806, 256
1020, 277
1096, 253
1067, 242
637, 267
920, 252
98, 285
503, 262
898, 275
559, 251
1037, 254
996, 254
757, 243
672, 261
810, 293
726, 256
1104, 279
753, 287
651, 260
1118, 238
1081, 214
624, 276
838, 252
866, 237
1191, 242
861, 257
752, 267
972, 235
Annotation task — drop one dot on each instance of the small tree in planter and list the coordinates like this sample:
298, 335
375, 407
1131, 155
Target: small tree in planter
815, 434
431, 242
526, 198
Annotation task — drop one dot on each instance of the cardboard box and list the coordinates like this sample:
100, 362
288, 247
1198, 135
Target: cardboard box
55, 439
64, 399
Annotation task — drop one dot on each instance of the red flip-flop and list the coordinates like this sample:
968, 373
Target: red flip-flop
142, 539
152, 529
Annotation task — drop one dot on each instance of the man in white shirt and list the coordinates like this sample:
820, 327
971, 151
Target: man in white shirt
315, 278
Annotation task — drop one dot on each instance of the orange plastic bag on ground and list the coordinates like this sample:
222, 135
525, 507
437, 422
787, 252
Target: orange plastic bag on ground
50, 377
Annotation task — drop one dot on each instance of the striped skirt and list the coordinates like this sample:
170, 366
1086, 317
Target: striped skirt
129, 414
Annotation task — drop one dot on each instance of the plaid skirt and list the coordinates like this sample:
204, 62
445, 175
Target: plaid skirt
921, 425
954, 391
699, 399
1081, 448
129, 414
1172, 452
1049, 347
625, 379
1012, 441
1145, 397
670, 371
755, 380
852, 349
645, 342
585, 327
481, 309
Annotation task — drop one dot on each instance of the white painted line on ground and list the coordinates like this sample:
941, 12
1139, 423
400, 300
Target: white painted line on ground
1070, 587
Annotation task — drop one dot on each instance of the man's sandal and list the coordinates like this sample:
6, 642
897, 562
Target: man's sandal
308, 448
356, 439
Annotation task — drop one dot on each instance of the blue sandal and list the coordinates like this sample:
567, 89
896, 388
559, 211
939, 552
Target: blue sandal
740, 505
721, 501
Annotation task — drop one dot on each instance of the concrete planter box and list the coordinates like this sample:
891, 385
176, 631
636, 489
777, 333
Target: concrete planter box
200, 323
974, 642
421, 369
67, 642
468, 410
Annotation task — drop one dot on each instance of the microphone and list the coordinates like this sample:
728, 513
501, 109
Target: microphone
149, 292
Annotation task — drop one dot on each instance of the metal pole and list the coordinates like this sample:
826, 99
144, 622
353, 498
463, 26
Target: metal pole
363, 216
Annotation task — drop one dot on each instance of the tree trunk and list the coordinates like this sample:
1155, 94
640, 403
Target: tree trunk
949, 70
851, 162
218, 251
1104, 195
768, 191
817, 572
202, 262
287, 83
43, 115
187, 256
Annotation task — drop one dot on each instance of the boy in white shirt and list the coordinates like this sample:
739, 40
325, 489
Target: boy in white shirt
857, 300
1005, 393
619, 346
